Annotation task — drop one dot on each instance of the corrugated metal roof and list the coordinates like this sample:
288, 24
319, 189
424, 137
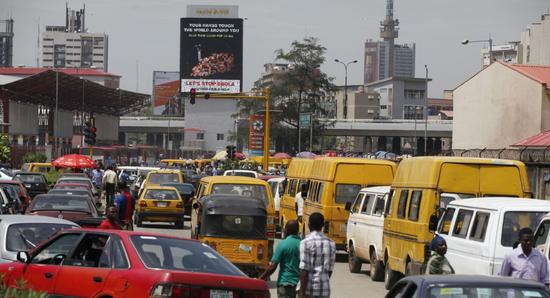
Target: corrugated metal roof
22, 71
538, 73
540, 140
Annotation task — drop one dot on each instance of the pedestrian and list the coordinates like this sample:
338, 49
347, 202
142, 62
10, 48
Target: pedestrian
125, 204
525, 262
317, 257
109, 182
299, 201
287, 254
111, 222
438, 263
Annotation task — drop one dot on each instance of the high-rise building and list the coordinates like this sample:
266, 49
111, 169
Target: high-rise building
384, 59
6, 43
535, 42
73, 46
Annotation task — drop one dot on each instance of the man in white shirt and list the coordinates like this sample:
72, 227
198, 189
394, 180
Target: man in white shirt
299, 201
109, 182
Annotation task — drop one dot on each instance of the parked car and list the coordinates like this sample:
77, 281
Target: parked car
83, 180
77, 192
6, 204
70, 207
21, 191
243, 173
450, 286
365, 229
35, 183
25, 232
14, 203
481, 231
111, 263
70, 174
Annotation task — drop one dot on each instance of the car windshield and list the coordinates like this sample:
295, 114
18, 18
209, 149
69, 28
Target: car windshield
185, 255
26, 236
68, 186
30, 178
241, 173
245, 190
182, 188
79, 192
249, 227
160, 194
69, 203
475, 292
516, 220
159, 178
79, 181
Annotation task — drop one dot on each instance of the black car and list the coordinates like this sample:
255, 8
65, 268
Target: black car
447, 286
186, 191
35, 183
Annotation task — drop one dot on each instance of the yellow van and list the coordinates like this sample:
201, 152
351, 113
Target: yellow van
246, 187
422, 187
37, 167
336, 181
298, 173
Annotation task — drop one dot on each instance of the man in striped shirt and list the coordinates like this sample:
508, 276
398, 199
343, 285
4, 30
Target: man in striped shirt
317, 257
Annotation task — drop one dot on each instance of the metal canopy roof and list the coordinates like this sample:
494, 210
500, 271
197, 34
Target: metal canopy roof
75, 94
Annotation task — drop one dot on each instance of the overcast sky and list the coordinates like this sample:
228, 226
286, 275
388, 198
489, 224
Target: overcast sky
146, 32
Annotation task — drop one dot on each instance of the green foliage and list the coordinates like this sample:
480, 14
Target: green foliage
5, 149
21, 289
34, 157
302, 89
51, 177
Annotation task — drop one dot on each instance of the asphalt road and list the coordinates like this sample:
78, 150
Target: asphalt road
344, 284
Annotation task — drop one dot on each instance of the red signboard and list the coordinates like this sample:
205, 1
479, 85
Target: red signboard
256, 135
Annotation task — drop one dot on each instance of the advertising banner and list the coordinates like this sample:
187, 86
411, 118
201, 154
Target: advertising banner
256, 135
212, 11
166, 88
211, 54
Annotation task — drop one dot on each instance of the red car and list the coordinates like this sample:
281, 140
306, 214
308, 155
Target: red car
21, 190
112, 263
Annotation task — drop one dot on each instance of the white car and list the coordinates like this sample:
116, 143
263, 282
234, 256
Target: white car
25, 232
365, 228
244, 173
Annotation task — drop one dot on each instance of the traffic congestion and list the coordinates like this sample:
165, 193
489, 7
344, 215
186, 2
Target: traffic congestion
425, 226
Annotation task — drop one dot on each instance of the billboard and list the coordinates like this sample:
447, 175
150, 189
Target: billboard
211, 54
256, 135
212, 11
166, 88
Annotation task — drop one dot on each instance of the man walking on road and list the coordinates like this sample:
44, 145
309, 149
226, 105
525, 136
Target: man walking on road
111, 222
288, 255
525, 262
317, 257
109, 181
125, 204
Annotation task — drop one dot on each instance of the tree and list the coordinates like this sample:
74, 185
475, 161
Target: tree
303, 88
5, 149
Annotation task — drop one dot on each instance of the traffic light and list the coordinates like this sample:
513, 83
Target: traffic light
93, 135
90, 133
192, 94
230, 150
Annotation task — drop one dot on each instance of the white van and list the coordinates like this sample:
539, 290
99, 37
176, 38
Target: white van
480, 232
542, 241
365, 228
278, 189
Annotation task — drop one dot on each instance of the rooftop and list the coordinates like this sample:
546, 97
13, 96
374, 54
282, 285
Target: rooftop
29, 71
540, 140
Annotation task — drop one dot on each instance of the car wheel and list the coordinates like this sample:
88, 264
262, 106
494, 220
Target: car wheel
353, 261
376, 268
390, 277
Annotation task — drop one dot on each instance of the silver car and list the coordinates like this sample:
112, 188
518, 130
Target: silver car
25, 232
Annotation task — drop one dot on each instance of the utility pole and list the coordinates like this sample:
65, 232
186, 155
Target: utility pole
426, 114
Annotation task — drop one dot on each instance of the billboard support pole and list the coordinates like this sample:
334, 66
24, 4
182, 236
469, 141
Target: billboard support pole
265, 166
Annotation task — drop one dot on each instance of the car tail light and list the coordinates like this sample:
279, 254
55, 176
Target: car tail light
260, 251
327, 227
256, 294
179, 205
270, 234
142, 204
176, 291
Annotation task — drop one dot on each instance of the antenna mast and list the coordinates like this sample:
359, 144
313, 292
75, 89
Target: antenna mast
389, 32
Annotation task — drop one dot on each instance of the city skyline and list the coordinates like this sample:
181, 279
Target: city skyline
145, 35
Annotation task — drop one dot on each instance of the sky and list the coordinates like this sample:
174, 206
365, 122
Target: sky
144, 34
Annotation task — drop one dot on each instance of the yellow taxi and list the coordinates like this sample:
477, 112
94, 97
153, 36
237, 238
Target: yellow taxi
158, 177
160, 204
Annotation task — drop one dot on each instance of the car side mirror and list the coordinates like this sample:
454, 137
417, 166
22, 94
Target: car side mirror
432, 226
23, 256
348, 206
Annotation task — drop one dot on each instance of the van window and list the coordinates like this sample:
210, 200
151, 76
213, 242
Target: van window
445, 225
542, 234
414, 206
311, 191
292, 187
390, 201
370, 199
446, 198
379, 207
402, 206
480, 226
516, 220
319, 192
357, 203
346, 192
462, 223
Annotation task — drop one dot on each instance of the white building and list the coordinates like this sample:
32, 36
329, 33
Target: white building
535, 42
72, 46
510, 53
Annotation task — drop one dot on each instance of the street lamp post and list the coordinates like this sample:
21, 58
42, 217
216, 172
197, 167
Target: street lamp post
345, 85
426, 114
490, 41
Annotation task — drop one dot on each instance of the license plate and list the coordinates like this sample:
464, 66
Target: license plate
221, 294
27, 185
162, 204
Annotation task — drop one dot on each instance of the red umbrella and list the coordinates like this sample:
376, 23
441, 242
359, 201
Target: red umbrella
75, 161
281, 155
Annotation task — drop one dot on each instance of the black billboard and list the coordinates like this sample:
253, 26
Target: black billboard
211, 55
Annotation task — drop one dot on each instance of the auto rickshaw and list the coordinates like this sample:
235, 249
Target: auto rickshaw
234, 226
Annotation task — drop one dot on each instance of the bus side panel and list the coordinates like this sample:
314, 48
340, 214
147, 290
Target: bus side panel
459, 178
493, 176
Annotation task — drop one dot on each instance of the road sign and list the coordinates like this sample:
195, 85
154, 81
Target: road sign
305, 120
